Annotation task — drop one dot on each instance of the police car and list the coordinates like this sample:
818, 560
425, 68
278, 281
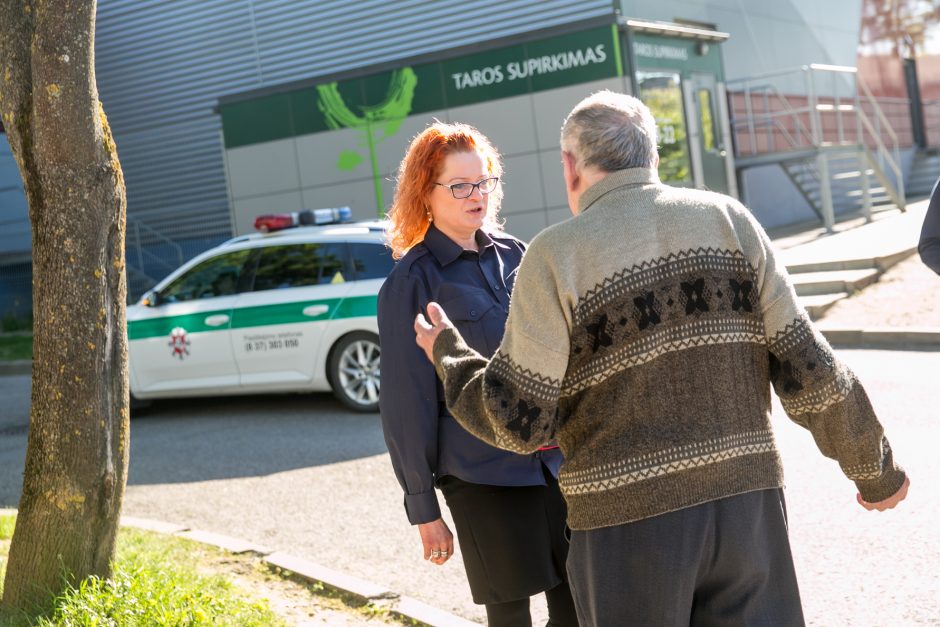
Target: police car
289, 309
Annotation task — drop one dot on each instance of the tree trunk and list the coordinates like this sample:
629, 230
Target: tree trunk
77, 452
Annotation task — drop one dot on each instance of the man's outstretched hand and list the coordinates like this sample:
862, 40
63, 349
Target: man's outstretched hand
427, 330
888, 503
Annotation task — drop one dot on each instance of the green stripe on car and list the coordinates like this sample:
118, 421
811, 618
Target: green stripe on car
260, 316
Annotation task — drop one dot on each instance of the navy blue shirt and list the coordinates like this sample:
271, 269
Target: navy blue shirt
424, 440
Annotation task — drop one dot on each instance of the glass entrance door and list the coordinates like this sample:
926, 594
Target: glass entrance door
661, 91
710, 155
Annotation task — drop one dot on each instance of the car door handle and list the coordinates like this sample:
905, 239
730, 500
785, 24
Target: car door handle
316, 310
217, 321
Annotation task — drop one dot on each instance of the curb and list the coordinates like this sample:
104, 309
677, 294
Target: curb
364, 591
914, 338
16, 366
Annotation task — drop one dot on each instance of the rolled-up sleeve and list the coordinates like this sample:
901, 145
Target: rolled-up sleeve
408, 402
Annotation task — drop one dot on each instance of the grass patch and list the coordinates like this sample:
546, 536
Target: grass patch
16, 347
6, 528
157, 581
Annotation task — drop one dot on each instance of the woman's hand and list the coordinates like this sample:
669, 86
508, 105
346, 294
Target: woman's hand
438, 541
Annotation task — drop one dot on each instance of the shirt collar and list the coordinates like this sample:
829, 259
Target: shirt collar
446, 250
614, 180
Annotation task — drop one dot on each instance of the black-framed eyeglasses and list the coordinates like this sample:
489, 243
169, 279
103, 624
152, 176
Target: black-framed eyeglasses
463, 190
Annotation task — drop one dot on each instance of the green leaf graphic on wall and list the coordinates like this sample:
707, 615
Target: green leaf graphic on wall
377, 122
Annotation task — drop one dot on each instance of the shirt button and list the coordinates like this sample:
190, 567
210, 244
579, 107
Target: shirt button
473, 312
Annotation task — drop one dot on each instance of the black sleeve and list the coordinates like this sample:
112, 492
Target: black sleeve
408, 401
929, 246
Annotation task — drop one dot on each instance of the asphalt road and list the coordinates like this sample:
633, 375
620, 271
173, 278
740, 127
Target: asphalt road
298, 473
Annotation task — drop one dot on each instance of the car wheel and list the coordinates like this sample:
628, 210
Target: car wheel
354, 371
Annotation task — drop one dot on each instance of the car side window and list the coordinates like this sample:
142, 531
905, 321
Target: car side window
300, 265
213, 277
371, 261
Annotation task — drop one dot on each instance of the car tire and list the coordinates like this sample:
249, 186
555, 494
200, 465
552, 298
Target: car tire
354, 371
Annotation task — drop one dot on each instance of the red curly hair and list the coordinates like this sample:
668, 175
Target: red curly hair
418, 172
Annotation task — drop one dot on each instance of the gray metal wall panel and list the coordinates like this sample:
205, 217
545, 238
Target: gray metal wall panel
15, 234
297, 40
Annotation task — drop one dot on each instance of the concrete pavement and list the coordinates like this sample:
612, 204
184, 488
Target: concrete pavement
827, 268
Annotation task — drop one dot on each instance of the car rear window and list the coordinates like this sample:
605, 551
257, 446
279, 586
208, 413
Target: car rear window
371, 261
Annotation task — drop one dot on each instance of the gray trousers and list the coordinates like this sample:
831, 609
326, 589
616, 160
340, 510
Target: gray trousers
720, 564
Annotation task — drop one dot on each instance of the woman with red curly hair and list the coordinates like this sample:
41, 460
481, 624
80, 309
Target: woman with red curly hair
507, 509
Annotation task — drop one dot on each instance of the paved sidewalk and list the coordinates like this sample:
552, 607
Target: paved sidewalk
899, 311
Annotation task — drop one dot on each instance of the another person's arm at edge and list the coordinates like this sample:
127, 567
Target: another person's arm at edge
818, 391
929, 246
511, 400
408, 402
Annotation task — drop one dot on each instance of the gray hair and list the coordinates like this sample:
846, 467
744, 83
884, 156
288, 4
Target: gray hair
610, 131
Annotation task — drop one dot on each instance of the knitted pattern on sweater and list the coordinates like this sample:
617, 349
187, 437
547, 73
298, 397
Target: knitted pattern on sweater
644, 336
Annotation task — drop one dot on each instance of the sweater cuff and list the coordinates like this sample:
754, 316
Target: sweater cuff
448, 343
422, 507
883, 487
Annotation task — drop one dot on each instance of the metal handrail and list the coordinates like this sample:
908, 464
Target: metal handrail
768, 117
899, 176
867, 130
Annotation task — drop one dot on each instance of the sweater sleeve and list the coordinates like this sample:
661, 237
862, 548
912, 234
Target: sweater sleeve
511, 400
816, 389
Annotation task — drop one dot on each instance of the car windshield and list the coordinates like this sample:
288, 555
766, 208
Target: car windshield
218, 276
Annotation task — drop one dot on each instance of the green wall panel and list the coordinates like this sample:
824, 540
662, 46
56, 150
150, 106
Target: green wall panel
381, 101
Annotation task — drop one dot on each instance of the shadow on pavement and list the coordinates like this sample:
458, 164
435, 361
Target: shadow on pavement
206, 439
184, 440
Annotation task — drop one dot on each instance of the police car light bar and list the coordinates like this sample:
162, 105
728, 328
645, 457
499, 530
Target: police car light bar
308, 217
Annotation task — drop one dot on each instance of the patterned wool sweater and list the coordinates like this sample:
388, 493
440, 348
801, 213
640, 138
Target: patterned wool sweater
644, 335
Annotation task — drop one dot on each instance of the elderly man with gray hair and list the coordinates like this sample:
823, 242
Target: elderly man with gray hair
644, 336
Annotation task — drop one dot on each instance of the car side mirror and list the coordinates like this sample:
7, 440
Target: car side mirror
151, 299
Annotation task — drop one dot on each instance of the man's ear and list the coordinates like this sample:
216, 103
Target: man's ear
656, 162
569, 166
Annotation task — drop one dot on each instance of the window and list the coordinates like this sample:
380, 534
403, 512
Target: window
214, 277
300, 265
661, 92
371, 261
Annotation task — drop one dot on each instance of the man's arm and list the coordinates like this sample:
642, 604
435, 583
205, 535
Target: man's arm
816, 389
511, 400
929, 246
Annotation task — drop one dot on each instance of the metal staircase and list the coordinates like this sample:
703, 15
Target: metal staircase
846, 180
823, 127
